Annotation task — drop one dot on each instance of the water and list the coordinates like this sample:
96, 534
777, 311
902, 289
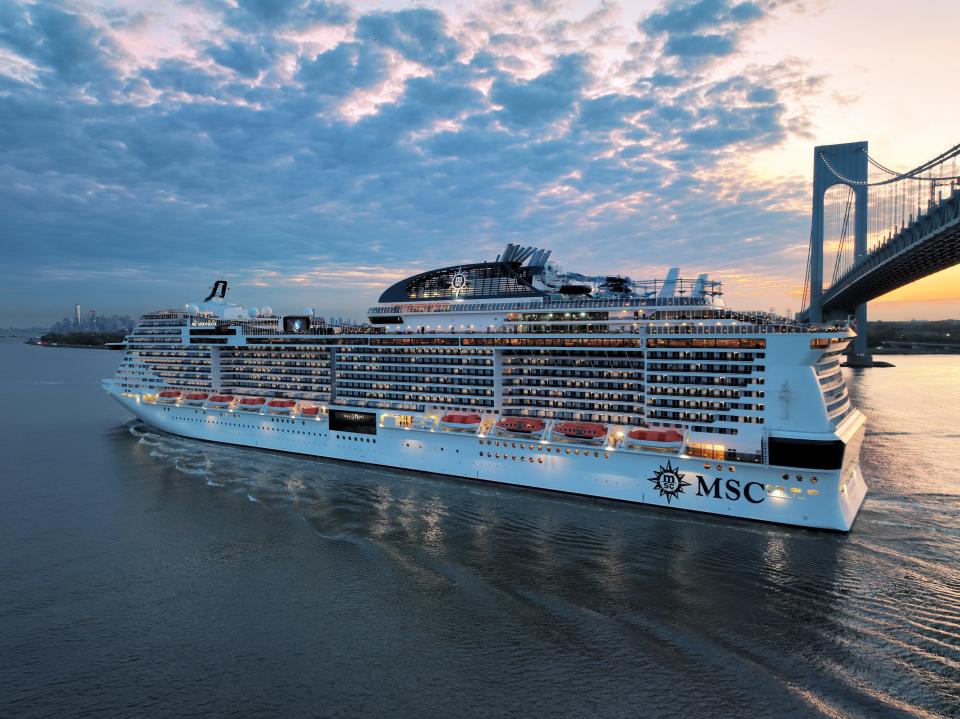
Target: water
141, 574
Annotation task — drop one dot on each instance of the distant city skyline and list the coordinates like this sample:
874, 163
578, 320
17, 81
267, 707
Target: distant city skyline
313, 153
90, 321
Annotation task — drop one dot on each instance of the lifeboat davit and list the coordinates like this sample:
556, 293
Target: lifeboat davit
309, 411
251, 404
195, 399
281, 406
220, 401
169, 396
460, 422
521, 425
583, 431
668, 439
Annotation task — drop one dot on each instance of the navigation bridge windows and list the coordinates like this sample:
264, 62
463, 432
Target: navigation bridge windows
835, 394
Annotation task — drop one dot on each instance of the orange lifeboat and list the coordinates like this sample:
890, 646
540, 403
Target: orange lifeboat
220, 401
460, 422
281, 406
309, 412
584, 431
251, 404
668, 439
169, 396
521, 425
195, 399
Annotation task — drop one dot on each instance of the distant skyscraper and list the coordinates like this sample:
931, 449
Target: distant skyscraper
77, 311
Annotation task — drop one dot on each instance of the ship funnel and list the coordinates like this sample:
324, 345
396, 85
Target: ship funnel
670, 284
699, 289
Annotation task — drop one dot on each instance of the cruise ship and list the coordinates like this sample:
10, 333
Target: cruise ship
515, 372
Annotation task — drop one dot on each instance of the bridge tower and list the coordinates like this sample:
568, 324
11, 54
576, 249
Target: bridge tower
844, 164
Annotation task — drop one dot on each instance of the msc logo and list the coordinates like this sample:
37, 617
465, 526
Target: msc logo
668, 481
731, 489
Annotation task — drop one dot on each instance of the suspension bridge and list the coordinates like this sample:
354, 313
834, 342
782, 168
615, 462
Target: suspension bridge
881, 228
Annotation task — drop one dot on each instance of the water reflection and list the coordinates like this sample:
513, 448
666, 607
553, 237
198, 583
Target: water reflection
746, 605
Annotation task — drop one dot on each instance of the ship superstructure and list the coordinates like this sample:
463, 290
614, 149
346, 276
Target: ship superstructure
516, 372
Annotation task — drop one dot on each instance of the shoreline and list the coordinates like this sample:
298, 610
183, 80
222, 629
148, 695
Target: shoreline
68, 346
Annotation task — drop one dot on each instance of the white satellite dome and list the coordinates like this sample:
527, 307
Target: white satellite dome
193, 309
253, 312
307, 311
266, 312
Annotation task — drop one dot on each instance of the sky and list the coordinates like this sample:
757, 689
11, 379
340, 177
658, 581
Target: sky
314, 152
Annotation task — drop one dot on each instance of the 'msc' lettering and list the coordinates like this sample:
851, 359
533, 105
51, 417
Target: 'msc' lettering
731, 488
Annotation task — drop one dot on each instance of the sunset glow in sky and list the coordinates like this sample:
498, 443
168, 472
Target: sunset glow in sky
313, 153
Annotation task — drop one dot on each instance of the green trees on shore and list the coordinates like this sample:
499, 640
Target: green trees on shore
87, 339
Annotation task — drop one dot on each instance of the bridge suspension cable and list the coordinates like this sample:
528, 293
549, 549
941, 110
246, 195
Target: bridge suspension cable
914, 174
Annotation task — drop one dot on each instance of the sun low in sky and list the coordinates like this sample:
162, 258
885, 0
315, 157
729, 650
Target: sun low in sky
313, 153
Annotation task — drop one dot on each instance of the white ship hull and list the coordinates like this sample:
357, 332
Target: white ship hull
672, 481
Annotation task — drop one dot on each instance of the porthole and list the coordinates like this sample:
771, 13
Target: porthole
540, 460
576, 452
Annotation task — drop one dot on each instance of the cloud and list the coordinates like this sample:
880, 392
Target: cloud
66, 44
545, 98
259, 15
347, 67
419, 35
183, 77
245, 58
266, 133
699, 45
696, 30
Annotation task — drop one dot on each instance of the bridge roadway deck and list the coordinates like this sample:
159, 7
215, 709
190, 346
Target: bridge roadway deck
926, 246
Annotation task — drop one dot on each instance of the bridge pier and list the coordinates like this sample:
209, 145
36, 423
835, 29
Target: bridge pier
860, 356
831, 163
